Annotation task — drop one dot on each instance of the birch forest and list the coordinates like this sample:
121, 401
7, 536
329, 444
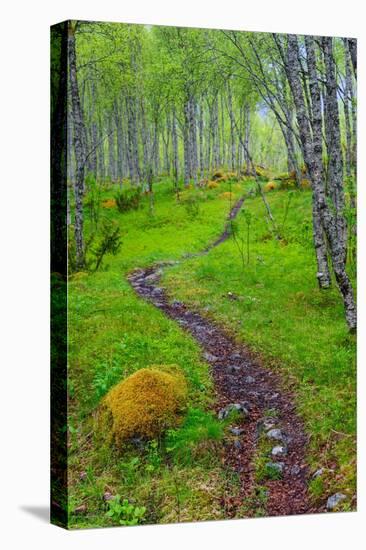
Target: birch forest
211, 217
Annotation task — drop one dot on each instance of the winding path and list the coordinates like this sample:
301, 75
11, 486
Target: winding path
240, 379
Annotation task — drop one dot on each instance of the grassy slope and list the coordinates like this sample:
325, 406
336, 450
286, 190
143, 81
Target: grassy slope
297, 329
280, 313
112, 333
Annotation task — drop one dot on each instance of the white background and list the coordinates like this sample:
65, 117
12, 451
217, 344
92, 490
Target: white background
24, 234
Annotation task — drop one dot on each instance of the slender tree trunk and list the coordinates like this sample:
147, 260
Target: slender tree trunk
70, 157
120, 172
232, 129
246, 138
215, 135
79, 132
193, 140
186, 140
145, 142
311, 141
352, 45
111, 150
201, 135
175, 151
223, 140
101, 163
335, 174
156, 148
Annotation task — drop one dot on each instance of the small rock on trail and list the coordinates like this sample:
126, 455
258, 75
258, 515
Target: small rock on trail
232, 407
276, 434
279, 450
334, 500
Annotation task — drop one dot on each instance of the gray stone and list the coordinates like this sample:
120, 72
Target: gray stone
209, 357
154, 276
138, 442
236, 431
318, 473
334, 500
237, 444
233, 369
276, 434
249, 379
272, 396
224, 413
295, 470
268, 423
157, 290
279, 450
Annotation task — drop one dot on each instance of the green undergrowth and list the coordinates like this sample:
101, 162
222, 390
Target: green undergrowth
272, 303
264, 291
112, 334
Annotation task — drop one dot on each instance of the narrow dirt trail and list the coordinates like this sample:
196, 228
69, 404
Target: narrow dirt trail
242, 383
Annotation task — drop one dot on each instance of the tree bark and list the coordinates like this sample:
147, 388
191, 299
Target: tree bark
311, 141
352, 46
232, 129
111, 150
175, 150
79, 132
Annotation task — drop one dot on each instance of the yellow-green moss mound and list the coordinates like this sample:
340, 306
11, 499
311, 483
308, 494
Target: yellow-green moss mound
212, 185
143, 405
270, 186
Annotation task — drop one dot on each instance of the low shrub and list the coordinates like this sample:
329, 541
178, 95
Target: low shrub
124, 512
192, 206
143, 405
108, 242
128, 199
288, 183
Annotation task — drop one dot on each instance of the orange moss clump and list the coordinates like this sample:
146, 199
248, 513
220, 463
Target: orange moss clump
143, 405
270, 186
212, 185
109, 203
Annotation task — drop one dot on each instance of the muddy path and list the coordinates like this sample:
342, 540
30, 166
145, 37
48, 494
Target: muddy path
265, 410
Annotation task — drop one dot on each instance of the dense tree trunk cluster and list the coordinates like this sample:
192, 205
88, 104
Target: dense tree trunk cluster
185, 102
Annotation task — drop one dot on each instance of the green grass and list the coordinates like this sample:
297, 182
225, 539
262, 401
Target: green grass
277, 310
113, 333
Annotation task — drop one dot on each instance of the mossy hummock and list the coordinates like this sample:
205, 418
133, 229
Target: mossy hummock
144, 405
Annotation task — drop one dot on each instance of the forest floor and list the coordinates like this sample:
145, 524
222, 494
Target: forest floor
271, 341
